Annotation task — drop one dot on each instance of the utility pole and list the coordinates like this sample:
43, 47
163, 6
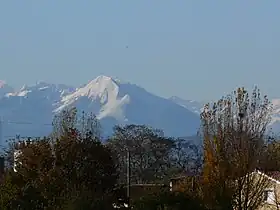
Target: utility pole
1, 132
128, 177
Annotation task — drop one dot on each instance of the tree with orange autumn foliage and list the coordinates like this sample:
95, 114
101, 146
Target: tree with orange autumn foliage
233, 131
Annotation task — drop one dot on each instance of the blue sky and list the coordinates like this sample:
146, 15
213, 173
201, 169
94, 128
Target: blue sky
192, 49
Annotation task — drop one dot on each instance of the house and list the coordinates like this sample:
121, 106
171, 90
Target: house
183, 181
139, 190
271, 193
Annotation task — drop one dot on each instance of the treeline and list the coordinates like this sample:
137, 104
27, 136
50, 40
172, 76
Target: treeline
73, 169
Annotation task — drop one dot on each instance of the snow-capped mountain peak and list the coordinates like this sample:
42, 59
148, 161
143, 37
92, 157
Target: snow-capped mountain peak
115, 102
99, 86
103, 94
45, 90
102, 87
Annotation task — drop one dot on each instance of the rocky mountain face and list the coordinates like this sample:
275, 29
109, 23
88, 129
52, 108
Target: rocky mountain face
115, 102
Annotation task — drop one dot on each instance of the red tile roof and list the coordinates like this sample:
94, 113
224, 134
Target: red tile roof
274, 175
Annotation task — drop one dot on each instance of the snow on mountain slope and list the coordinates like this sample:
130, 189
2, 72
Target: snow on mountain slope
45, 90
28, 111
102, 93
191, 105
4, 88
115, 102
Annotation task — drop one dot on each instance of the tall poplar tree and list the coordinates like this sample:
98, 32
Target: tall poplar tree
233, 131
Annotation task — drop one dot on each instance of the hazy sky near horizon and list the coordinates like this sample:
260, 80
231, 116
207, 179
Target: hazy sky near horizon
192, 49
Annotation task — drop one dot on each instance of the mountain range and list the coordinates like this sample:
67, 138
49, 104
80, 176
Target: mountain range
29, 111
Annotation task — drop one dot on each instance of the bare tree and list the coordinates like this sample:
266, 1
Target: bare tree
186, 157
233, 131
87, 124
149, 152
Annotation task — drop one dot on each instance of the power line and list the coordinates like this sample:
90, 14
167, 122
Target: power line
8, 122
22, 137
25, 123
